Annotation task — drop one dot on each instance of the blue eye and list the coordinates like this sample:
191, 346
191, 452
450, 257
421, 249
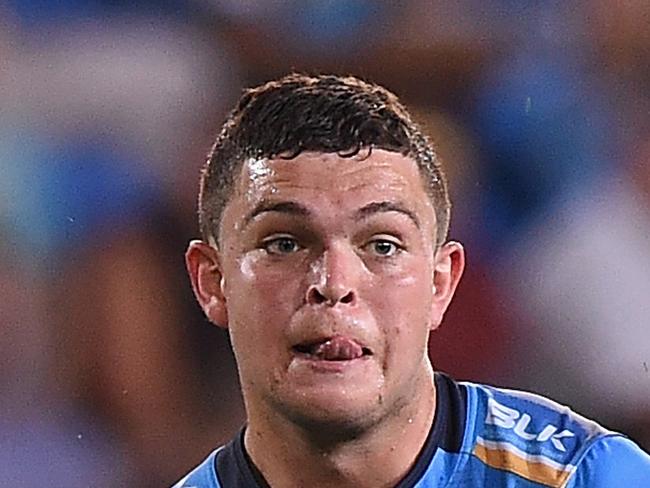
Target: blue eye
384, 248
281, 245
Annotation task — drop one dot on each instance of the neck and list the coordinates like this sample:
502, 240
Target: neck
379, 456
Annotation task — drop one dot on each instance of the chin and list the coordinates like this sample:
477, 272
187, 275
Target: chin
341, 417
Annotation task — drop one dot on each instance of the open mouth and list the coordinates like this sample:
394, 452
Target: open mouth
337, 348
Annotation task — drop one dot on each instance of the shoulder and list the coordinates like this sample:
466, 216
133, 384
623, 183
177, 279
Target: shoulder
203, 476
612, 461
527, 419
528, 435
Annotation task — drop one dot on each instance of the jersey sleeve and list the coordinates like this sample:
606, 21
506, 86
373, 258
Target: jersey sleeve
203, 476
612, 461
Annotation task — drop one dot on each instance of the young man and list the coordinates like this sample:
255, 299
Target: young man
324, 216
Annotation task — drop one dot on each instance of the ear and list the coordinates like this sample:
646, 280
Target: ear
449, 263
202, 261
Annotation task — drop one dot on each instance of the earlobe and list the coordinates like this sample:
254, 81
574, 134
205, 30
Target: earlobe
204, 269
448, 269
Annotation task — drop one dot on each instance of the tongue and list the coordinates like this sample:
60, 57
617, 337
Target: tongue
338, 349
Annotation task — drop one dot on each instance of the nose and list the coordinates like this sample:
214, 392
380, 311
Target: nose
335, 278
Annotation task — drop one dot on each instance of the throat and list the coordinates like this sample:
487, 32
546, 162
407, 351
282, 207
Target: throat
381, 456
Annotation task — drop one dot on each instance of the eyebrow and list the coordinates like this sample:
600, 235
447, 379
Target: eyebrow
386, 206
288, 207
295, 208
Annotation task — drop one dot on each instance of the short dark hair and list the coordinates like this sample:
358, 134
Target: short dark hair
325, 113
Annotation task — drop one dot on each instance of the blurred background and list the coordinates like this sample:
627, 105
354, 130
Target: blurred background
109, 374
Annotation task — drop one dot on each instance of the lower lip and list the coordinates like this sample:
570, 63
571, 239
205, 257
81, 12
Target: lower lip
324, 366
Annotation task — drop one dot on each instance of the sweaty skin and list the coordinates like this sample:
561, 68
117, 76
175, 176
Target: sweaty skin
328, 280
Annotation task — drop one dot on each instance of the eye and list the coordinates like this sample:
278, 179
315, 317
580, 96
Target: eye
384, 247
281, 245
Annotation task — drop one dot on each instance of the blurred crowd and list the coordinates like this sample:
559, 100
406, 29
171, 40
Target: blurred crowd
109, 374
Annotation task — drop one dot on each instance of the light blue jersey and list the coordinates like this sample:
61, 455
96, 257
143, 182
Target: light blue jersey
484, 436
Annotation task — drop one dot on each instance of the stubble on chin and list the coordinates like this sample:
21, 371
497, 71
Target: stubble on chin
326, 428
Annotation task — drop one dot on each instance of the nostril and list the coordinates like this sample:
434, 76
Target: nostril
315, 296
318, 296
347, 298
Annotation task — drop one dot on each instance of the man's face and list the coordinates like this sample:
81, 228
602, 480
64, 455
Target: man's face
327, 267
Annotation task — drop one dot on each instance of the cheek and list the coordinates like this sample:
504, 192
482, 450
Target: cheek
259, 307
402, 304
264, 294
407, 290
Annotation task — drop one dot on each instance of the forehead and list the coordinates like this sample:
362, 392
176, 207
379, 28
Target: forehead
329, 182
330, 173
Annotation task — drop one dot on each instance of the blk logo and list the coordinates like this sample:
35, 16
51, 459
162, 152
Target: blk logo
509, 418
